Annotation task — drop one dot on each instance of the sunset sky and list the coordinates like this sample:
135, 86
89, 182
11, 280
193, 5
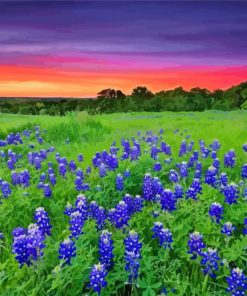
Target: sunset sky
76, 49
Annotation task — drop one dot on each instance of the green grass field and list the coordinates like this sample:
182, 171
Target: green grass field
159, 268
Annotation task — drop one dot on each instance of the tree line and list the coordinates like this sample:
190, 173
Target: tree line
141, 99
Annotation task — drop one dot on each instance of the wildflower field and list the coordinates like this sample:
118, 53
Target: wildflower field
125, 204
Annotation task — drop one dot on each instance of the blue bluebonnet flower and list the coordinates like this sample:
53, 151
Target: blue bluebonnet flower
194, 189
19, 246
132, 255
231, 193
183, 148
11, 164
119, 182
211, 176
88, 170
102, 170
244, 171
245, 227
157, 187
157, 167
80, 157
25, 178
67, 250
72, 166
52, 179
147, 187
97, 278
215, 145
196, 245
50, 170
237, 282
106, 249
214, 154
126, 173
183, 167
78, 183
168, 150
42, 220
35, 242
79, 173
134, 204
216, 164
228, 229
178, 191
163, 147
62, 169
230, 159
244, 147
37, 162
216, 211
168, 200
1, 236
154, 151
119, 216
164, 235
210, 262
42, 177
15, 179
98, 214
76, 223
134, 153
223, 180
173, 176
6, 190
47, 190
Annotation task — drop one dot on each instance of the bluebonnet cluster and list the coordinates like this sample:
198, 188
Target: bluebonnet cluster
134, 204
97, 278
178, 191
164, 235
230, 159
168, 200
194, 189
106, 249
237, 282
183, 167
43, 221
216, 211
105, 162
183, 148
80, 157
119, 182
230, 192
215, 145
211, 176
223, 180
210, 262
157, 167
5, 188
119, 216
98, 214
28, 244
147, 187
196, 245
173, 176
132, 255
228, 229
67, 250
47, 190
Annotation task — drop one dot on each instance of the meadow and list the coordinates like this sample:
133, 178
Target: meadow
124, 204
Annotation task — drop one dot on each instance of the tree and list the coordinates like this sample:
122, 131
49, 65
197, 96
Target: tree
142, 92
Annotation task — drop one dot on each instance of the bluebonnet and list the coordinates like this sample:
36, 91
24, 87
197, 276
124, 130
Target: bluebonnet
211, 176
97, 278
154, 151
157, 167
215, 145
168, 150
132, 255
19, 246
42, 177
25, 178
72, 166
194, 189
134, 153
78, 183
119, 182
237, 282
178, 191
244, 171
157, 187
245, 193
67, 250
210, 262
1, 236
62, 169
76, 223
216, 164
163, 235
163, 147
196, 244
183, 148
126, 173
223, 180
214, 154
47, 190
119, 216
168, 200
173, 176
6, 190
102, 170
98, 214
231, 193
79, 173
15, 179
52, 179
37, 162
88, 170
216, 211
106, 249
42, 220
134, 204
147, 187
81, 205
228, 229
183, 167
11, 164
35, 242
80, 157
230, 159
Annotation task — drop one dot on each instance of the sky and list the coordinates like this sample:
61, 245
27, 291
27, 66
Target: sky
78, 48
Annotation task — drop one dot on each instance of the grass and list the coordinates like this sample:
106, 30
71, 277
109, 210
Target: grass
159, 268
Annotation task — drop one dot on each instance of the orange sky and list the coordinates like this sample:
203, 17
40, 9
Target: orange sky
41, 81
